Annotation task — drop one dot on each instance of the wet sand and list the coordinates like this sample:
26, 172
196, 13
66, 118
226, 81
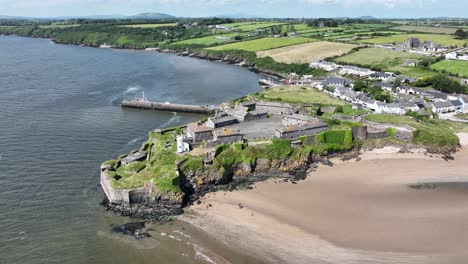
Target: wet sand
353, 212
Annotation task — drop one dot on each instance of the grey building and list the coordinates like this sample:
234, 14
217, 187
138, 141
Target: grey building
199, 132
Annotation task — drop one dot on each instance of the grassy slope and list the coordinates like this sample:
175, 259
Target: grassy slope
437, 38
298, 95
305, 53
263, 44
452, 66
437, 133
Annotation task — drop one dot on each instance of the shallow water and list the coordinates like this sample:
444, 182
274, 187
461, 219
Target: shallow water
60, 118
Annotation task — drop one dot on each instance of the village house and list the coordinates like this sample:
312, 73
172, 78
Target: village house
394, 108
199, 132
458, 106
325, 65
464, 99
356, 71
385, 86
430, 46
442, 107
385, 77
345, 94
337, 82
435, 96
451, 56
408, 90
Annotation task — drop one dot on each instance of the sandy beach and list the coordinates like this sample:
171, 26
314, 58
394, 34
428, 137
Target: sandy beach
352, 212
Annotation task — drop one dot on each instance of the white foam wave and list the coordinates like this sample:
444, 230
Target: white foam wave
174, 119
133, 141
132, 89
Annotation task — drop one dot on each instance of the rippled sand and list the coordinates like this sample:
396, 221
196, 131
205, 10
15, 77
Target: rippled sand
353, 212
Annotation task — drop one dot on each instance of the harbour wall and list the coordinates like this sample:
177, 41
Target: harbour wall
145, 105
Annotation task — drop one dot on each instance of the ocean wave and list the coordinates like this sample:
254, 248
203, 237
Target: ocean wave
173, 120
132, 89
133, 141
200, 254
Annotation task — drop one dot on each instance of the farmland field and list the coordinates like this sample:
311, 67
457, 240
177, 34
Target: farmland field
299, 95
209, 40
263, 44
387, 60
308, 52
151, 25
437, 38
452, 66
57, 25
427, 29
251, 26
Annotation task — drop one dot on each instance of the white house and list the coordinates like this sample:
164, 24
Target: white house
442, 107
325, 65
357, 71
451, 56
464, 57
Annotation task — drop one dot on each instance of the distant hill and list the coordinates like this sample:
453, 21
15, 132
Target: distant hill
238, 15
152, 16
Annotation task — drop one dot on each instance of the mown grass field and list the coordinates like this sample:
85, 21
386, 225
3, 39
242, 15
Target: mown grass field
308, 52
384, 58
263, 44
298, 95
387, 60
151, 25
445, 40
426, 29
208, 41
452, 66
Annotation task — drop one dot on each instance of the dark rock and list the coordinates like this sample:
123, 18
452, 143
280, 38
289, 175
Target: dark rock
129, 228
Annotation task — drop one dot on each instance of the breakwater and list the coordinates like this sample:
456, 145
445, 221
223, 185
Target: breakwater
183, 108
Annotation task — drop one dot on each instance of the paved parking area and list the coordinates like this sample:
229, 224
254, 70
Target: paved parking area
263, 128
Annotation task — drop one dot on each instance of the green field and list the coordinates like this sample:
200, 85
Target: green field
151, 25
298, 95
426, 29
445, 40
388, 60
58, 25
208, 41
263, 44
452, 66
251, 26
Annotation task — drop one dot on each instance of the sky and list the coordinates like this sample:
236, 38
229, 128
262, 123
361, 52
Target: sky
260, 8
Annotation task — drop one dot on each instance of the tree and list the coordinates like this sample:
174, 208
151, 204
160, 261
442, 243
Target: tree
461, 34
359, 86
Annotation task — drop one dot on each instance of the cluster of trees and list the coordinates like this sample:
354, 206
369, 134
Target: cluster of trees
461, 34
374, 92
442, 82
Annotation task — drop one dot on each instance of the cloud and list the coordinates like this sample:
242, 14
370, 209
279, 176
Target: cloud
385, 3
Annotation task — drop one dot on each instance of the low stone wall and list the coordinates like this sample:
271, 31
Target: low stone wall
377, 134
404, 135
113, 195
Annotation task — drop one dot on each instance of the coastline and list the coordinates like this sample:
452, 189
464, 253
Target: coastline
222, 59
352, 212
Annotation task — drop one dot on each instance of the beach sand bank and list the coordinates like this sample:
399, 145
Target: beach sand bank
352, 212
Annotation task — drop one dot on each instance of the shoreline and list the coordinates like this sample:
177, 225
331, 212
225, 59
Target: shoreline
353, 212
